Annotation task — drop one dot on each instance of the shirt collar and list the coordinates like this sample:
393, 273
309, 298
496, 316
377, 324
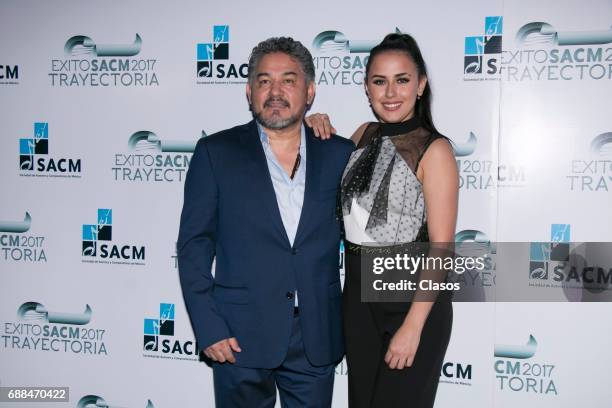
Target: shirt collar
265, 141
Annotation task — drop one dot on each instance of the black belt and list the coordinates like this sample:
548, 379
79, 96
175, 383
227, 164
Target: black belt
356, 249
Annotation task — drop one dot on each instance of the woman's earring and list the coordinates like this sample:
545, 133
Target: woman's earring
418, 97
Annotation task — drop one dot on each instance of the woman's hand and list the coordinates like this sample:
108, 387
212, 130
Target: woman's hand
321, 125
403, 347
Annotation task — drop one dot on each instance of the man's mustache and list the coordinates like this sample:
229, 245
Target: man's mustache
269, 101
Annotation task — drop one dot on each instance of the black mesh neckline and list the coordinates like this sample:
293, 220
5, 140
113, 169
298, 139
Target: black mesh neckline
393, 129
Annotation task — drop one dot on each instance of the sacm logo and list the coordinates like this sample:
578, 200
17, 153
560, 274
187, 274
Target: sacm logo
213, 59
456, 373
545, 256
482, 51
9, 74
33, 156
559, 263
97, 241
159, 336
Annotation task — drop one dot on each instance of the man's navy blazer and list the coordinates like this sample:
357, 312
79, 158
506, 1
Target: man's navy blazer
230, 213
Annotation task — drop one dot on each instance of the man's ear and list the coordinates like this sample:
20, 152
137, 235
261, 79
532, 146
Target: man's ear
248, 92
310, 93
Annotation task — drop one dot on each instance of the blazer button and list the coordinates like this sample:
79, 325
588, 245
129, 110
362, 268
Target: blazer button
289, 295
294, 251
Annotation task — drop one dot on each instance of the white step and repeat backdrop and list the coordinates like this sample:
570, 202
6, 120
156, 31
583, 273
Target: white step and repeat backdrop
102, 103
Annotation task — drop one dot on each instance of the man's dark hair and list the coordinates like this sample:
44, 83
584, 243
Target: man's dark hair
286, 45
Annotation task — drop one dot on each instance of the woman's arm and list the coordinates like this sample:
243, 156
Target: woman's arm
438, 174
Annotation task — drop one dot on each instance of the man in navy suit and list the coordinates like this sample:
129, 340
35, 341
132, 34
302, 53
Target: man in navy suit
261, 198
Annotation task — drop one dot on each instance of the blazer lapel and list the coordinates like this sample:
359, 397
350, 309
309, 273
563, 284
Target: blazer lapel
313, 173
260, 175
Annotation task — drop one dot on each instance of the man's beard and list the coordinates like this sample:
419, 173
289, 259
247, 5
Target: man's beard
275, 122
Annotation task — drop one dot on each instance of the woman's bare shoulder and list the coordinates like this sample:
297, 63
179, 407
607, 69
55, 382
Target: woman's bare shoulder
359, 133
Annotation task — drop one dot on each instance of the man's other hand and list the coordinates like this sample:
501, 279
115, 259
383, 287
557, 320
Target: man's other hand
222, 351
